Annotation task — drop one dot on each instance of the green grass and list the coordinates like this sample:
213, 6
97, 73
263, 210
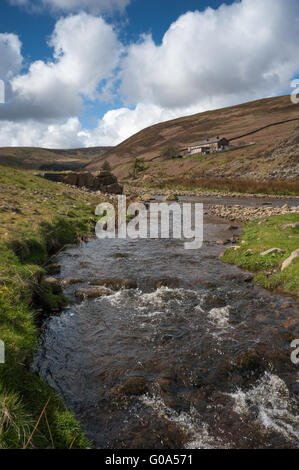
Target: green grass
258, 238
37, 218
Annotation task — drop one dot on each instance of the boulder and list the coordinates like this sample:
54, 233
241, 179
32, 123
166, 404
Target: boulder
147, 197
171, 197
114, 189
93, 293
106, 180
116, 284
71, 179
101, 173
130, 386
290, 259
71, 281
56, 177
103, 181
54, 284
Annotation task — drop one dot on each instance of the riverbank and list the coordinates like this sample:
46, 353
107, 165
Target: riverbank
244, 214
265, 248
37, 219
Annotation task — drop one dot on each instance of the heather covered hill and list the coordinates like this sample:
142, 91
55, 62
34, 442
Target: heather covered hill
35, 158
271, 153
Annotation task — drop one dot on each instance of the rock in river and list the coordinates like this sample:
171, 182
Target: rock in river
93, 293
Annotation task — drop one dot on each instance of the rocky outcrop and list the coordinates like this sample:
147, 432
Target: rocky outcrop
103, 181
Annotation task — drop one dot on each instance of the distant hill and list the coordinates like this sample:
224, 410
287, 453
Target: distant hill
34, 158
266, 159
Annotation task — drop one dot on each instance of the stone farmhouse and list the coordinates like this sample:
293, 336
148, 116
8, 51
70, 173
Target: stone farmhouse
208, 146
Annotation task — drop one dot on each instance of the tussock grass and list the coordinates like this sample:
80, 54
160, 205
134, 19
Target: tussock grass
258, 238
37, 218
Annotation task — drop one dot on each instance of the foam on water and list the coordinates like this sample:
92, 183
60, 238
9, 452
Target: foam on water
220, 316
153, 303
272, 400
190, 423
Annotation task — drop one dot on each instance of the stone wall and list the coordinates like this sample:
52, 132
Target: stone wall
103, 181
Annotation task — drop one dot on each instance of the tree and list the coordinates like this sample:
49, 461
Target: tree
170, 150
138, 166
106, 166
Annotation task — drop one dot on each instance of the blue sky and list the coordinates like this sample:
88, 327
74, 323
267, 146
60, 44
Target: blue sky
111, 72
141, 16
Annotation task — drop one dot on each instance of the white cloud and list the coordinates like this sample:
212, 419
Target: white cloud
33, 134
241, 50
116, 126
119, 124
10, 53
207, 60
86, 51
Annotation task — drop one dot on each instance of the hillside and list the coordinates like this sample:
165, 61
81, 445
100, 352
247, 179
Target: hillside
34, 158
271, 153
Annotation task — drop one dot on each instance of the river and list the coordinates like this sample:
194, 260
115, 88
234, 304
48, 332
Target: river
196, 355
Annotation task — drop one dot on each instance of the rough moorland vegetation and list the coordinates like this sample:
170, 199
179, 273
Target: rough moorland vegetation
237, 185
259, 236
270, 154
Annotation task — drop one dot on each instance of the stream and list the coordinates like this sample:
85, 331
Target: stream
194, 355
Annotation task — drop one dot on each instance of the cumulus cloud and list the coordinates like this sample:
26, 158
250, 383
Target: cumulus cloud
241, 50
119, 124
38, 134
116, 126
209, 59
11, 57
86, 51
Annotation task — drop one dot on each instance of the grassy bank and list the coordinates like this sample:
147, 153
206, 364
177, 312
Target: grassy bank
260, 235
232, 185
37, 218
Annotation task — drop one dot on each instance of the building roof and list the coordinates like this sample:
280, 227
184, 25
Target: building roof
207, 142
